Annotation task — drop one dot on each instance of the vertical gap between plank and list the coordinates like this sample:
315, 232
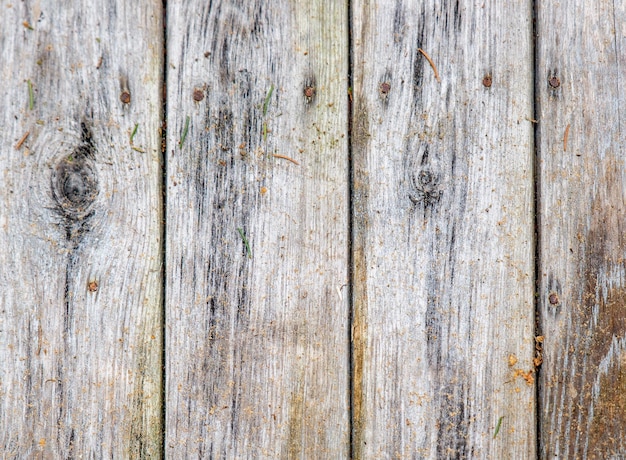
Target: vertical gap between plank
537, 218
163, 229
350, 96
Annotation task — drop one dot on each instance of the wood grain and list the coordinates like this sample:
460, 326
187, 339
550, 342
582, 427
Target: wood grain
80, 223
443, 237
257, 339
582, 291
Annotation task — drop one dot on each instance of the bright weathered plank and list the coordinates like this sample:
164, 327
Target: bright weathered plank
257, 245
443, 251
582, 228
80, 217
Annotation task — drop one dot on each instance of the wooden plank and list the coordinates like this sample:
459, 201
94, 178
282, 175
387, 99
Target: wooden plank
443, 235
257, 244
80, 219
582, 290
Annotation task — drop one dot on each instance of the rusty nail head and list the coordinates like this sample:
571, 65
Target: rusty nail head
198, 94
487, 81
385, 88
125, 97
554, 82
92, 286
309, 91
553, 298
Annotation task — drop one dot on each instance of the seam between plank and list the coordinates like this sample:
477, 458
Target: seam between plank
349, 95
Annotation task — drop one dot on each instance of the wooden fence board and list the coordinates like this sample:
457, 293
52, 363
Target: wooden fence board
80, 223
443, 237
257, 245
582, 211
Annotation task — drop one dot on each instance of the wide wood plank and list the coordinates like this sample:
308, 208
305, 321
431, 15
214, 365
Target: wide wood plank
80, 219
443, 234
582, 294
257, 230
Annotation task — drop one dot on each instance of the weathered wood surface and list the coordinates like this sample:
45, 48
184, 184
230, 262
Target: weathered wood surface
443, 230
257, 343
582, 228
258, 353
80, 219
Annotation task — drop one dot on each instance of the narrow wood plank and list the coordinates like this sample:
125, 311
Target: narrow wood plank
581, 138
443, 181
257, 244
80, 284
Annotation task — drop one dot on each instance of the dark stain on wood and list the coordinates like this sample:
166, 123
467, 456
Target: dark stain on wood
606, 432
448, 378
453, 428
219, 182
593, 382
145, 429
418, 76
399, 22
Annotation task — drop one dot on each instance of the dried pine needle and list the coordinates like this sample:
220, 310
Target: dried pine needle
22, 140
498, 425
31, 95
284, 157
245, 241
185, 131
432, 64
132, 135
565, 136
267, 100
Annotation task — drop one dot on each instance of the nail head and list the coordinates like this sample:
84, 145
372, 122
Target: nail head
198, 94
553, 298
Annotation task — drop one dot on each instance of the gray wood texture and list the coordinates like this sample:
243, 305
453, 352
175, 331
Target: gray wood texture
286, 335
443, 235
80, 224
582, 293
257, 335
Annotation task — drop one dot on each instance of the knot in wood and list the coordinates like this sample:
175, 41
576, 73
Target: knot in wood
425, 188
75, 184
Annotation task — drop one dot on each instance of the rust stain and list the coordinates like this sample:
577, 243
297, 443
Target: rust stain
609, 417
360, 185
296, 426
594, 411
359, 345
